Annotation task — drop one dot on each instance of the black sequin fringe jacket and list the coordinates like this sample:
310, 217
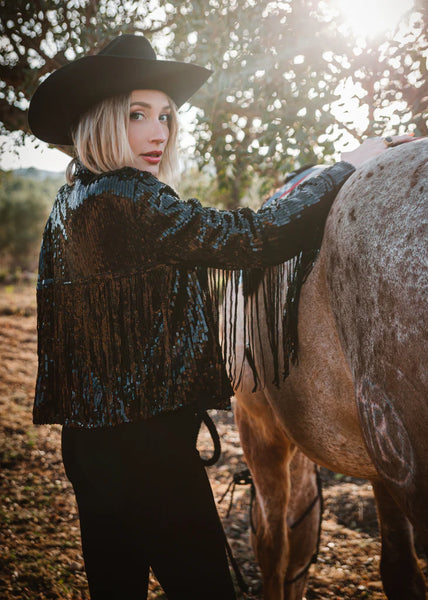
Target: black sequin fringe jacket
127, 327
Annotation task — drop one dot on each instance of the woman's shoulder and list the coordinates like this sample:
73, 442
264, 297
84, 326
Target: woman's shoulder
123, 181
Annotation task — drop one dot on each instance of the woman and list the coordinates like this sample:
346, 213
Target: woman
127, 343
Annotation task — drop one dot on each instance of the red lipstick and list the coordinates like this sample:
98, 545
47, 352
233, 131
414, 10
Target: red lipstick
153, 157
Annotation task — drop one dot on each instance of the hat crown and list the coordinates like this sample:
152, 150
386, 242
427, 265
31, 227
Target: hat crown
130, 46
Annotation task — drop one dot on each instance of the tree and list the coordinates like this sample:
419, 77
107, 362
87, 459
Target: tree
390, 78
267, 104
24, 206
278, 67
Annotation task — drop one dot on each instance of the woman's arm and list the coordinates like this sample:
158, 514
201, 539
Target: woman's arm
180, 232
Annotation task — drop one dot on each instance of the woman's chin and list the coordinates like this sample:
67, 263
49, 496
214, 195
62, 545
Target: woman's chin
143, 165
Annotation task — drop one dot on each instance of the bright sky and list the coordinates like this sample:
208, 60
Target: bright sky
366, 18
32, 154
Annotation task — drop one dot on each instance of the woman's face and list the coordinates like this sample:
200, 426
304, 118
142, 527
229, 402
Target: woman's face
148, 130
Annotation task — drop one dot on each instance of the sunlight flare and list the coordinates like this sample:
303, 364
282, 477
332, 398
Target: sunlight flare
368, 18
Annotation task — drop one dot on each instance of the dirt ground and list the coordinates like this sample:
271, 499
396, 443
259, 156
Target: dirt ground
40, 552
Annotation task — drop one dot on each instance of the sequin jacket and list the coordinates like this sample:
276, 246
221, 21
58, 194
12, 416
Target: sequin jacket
126, 328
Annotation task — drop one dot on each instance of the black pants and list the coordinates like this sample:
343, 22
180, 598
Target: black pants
145, 501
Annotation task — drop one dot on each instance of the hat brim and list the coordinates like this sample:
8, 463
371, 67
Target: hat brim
63, 98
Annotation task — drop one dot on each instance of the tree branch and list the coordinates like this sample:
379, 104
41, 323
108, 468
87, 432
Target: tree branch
13, 118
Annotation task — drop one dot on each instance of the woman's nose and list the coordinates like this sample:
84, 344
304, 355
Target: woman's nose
157, 132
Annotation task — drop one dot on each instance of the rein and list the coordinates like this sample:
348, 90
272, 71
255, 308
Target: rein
242, 478
210, 425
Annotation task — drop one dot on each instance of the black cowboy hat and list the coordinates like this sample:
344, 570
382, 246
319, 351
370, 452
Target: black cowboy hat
127, 63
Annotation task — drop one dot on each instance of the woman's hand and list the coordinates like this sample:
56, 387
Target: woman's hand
372, 147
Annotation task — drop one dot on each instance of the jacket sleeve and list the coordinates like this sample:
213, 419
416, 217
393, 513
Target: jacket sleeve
45, 329
185, 232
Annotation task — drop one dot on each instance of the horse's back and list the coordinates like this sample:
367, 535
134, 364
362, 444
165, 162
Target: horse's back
375, 247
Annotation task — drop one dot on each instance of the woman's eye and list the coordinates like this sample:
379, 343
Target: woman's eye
136, 116
165, 118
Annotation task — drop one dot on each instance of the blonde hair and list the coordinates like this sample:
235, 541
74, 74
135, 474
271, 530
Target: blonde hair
101, 140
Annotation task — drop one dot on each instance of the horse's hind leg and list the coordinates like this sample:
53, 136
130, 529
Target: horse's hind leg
268, 453
401, 576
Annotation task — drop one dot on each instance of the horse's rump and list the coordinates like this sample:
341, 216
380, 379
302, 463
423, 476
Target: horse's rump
375, 248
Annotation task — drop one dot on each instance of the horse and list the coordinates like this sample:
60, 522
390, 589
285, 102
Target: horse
356, 399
